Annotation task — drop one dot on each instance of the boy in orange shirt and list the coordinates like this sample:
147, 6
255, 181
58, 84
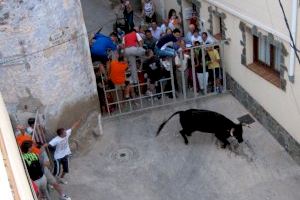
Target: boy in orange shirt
117, 70
23, 136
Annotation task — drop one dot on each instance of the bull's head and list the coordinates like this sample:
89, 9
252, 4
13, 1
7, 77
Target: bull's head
237, 132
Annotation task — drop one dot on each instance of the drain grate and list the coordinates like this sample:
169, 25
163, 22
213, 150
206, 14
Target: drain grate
124, 154
247, 119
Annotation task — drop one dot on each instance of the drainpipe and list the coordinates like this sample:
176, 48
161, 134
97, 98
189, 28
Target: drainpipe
291, 71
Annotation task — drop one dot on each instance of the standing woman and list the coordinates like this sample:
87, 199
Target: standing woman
128, 13
149, 11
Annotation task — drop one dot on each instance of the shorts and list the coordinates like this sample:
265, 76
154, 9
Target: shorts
50, 178
64, 162
42, 185
103, 59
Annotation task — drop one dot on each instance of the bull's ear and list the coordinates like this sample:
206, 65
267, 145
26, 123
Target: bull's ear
247, 125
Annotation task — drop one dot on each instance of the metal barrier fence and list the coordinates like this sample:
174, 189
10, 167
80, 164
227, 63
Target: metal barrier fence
190, 82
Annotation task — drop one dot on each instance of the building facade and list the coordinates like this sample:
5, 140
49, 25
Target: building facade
261, 66
260, 63
45, 65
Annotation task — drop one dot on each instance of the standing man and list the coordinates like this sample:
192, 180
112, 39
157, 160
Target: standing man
155, 30
62, 150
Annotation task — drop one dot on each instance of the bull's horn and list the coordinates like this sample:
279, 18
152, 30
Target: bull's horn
231, 132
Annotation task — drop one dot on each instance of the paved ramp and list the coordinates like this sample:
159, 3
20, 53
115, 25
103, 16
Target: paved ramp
130, 163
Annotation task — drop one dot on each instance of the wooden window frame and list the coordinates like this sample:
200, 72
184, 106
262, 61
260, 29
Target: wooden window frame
262, 69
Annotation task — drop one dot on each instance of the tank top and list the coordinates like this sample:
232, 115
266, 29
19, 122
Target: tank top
148, 9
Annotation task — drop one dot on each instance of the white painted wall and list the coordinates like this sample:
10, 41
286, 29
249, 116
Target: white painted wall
14, 158
284, 106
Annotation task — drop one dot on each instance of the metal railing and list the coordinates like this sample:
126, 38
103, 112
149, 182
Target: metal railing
116, 104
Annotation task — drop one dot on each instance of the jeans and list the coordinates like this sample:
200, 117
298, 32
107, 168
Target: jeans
131, 53
167, 52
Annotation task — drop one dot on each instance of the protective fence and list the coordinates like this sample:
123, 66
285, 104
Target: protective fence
195, 72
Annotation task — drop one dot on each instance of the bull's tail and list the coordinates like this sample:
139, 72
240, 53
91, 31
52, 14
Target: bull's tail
164, 123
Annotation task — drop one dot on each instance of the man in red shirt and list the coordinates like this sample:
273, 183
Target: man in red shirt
133, 44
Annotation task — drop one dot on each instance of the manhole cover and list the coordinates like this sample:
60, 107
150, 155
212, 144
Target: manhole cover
124, 154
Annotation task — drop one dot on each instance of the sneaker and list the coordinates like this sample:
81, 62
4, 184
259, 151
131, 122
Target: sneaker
65, 197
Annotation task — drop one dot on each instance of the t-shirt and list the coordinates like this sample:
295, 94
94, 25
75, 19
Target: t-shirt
101, 45
198, 38
214, 57
188, 37
152, 68
29, 130
117, 72
131, 39
61, 145
24, 137
163, 28
156, 33
150, 43
33, 165
166, 39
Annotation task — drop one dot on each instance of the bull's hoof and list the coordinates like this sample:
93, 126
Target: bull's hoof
186, 142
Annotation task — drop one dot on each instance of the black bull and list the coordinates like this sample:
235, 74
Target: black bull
207, 121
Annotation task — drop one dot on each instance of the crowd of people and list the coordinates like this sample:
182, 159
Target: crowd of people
36, 159
149, 52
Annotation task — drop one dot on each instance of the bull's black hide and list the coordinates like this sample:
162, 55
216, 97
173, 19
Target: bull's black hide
207, 121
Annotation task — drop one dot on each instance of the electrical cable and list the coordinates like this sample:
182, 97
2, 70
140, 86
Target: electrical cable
293, 45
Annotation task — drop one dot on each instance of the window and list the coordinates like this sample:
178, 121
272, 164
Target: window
217, 27
266, 54
266, 59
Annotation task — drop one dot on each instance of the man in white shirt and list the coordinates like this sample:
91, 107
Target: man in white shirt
206, 39
188, 37
155, 30
62, 150
163, 27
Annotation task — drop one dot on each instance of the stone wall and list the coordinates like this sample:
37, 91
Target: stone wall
277, 131
45, 64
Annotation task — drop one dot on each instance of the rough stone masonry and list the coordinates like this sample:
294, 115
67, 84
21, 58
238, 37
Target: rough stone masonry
45, 65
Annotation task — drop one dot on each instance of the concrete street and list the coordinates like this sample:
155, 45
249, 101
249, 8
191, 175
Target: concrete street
130, 163
98, 13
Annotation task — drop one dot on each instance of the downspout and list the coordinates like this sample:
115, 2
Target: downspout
291, 71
